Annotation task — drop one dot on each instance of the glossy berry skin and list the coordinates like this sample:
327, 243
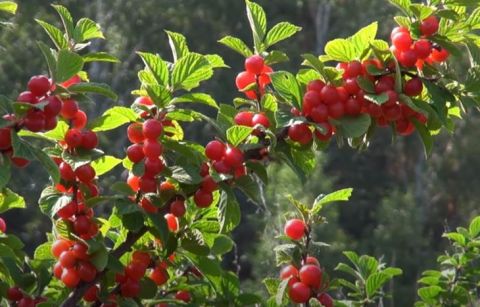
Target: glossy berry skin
423, 48
288, 271
299, 293
39, 85
315, 86
244, 79
135, 270
135, 133
60, 246
402, 41
254, 64
300, 133
202, 198
295, 229
439, 55
329, 94
177, 208
144, 100
208, 184
408, 58
28, 97
92, 294
260, 119
87, 271
152, 149
336, 110
89, 140
233, 157
311, 275
312, 260
152, 129
69, 109
3, 226
159, 276
53, 107
244, 118
5, 138
70, 277
81, 225
142, 257
79, 120
34, 121
67, 259
147, 184
413, 87
66, 172
135, 153
85, 173
14, 294
130, 288
215, 150
183, 295
80, 251
429, 26
172, 222
153, 167
73, 138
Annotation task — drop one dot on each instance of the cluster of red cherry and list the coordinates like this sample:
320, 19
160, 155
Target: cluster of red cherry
255, 78
305, 282
15, 295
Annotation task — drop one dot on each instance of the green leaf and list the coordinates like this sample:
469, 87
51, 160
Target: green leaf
377, 99
361, 40
216, 61
279, 32
87, 29
282, 289
375, 282
474, 227
148, 288
66, 18
304, 158
190, 70
8, 7
342, 50
55, 34
105, 164
322, 200
237, 45
228, 211
156, 66
94, 88
275, 57
237, 134
196, 98
403, 5
68, 65
178, 44
353, 127
10, 200
456, 237
100, 57
100, 258
43, 252
49, 56
186, 174
58, 133
258, 23
425, 135
113, 118
428, 293
287, 86
160, 95
222, 245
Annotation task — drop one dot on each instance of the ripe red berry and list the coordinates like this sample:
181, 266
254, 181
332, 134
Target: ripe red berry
79, 120
34, 121
67, 259
66, 172
351, 86
60, 246
316, 86
135, 133
408, 58
73, 138
183, 295
3, 226
203, 198
398, 30
80, 251
413, 87
89, 140
85, 173
402, 41
58, 270
39, 85
233, 157
5, 138
353, 70
134, 182
244, 79
172, 222
288, 271
222, 167
312, 260
86, 271
81, 225
53, 107
300, 133
50, 123
244, 118
208, 184
325, 299
352, 107
336, 110
439, 55
69, 109
159, 276
423, 48
130, 288
319, 114
260, 119
152, 149
215, 150
14, 294
177, 208
311, 275
144, 100
152, 129
135, 270
148, 206
295, 229
329, 94
299, 293
92, 294
254, 64
142, 257
135, 153
153, 167
147, 184
429, 26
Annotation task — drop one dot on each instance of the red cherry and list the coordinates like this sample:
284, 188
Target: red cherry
66, 172
299, 293
131, 288
50, 123
244, 79
397, 30
69, 109
67, 211
135, 133
183, 296
351, 86
60, 246
80, 251
27, 97
5, 138
316, 86
392, 113
439, 55
144, 100
311, 275
300, 133
336, 110
152, 149
89, 140
172, 222
413, 87
177, 208
85, 173
320, 113
324, 136
233, 157
73, 138
148, 206
147, 184
353, 69
58, 270
254, 64
142, 257
14, 294
208, 184
159, 276
261, 119
204, 169
402, 41
311, 100
295, 229
135, 270
203, 198
408, 58
429, 26
215, 150
392, 98
3, 226
34, 121
79, 120
67, 259
153, 167
404, 127
288, 271
423, 48
152, 129
222, 167
87, 271
312, 260
385, 83
329, 94
244, 118
26, 302
325, 299
134, 182
353, 107
135, 153
53, 107
39, 85
81, 225
92, 294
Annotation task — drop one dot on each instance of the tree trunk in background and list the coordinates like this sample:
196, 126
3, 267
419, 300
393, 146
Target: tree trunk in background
321, 12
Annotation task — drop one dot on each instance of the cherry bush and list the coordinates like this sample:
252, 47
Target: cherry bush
170, 220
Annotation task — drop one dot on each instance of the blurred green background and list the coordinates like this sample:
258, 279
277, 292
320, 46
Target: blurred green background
402, 202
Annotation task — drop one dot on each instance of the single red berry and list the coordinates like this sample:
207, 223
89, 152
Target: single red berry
80, 251
300, 133
177, 208
329, 94
439, 55
244, 79
67, 259
92, 294
288, 271
208, 184
429, 26
254, 64
353, 107
172, 222
312, 260
14, 294
3, 226
89, 140
67, 211
353, 69
351, 86
244, 118
142, 257
203, 198
311, 275
69, 109
221, 167
39, 85
81, 225
28, 97
385, 83
423, 48
34, 121
147, 184
233, 157
58, 270
311, 100
336, 110
73, 138
135, 133
315, 85
183, 295
299, 293
85, 173
144, 100
402, 41
50, 123
159, 276
152, 129
53, 107
152, 148
319, 114
413, 87
135, 153
215, 150
86, 271
130, 288
408, 58
5, 138
295, 229
135, 270
325, 299
397, 30
148, 206
134, 182
66, 172
153, 167
60, 246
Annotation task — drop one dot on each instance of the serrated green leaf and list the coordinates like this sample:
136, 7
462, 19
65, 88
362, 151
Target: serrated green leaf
237, 134
55, 34
363, 37
93, 88
10, 200
69, 64
237, 45
322, 200
105, 164
228, 211
190, 70
156, 66
113, 118
341, 50
353, 127
258, 23
178, 44
100, 57
279, 32
66, 18
287, 86
87, 29
196, 98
